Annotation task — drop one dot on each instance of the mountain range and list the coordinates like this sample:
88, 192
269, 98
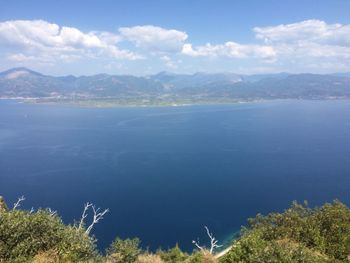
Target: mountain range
170, 88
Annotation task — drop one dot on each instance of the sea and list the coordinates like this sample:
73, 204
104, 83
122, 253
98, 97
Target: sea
166, 172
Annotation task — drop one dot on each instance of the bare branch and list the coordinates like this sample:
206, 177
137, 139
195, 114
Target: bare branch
197, 245
18, 203
52, 212
84, 215
97, 217
213, 242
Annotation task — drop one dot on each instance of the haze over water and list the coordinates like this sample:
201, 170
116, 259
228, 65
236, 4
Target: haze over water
165, 172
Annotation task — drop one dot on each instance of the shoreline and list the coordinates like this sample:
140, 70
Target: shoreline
107, 104
113, 103
227, 243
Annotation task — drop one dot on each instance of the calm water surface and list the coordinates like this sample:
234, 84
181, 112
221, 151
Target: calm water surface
166, 172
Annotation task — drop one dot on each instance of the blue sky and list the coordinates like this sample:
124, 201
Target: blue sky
145, 37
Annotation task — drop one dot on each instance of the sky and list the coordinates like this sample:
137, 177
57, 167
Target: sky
146, 37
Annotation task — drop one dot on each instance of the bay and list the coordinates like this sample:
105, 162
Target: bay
165, 172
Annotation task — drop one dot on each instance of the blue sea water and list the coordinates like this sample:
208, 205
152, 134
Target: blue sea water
165, 172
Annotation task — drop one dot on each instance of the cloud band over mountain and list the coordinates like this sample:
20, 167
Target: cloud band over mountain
310, 45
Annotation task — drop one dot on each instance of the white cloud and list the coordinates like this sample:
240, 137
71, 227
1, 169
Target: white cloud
315, 31
170, 63
42, 59
230, 49
310, 38
312, 41
70, 36
154, 38
287, 47
38, 38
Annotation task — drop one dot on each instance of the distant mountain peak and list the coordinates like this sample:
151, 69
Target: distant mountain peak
18, 72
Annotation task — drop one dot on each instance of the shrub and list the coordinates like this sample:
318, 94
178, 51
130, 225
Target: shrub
124, 251
149, 258
3, 206
201, 257
24, 235
173, 255
299, 234
49, 256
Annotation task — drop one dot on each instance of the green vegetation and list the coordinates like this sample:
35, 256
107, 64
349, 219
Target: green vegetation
25, 235
299, 234
124, 250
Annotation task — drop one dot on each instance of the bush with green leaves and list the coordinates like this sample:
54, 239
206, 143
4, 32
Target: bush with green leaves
253, 248
25, 234
124, 251
201, 257
300, 234
149, 258
173, 255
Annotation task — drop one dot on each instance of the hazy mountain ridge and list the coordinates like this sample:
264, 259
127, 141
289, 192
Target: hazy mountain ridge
169, 87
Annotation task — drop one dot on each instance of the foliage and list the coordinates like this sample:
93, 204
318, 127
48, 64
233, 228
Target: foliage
49, 256
300, 234
201, 257
173, 255
149, 258
124, 251
24, 235
253, 248
3, 206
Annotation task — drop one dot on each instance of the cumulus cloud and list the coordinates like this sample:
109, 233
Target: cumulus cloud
296, 46
311, 41
47, 40
315, 31
299, 45
154, 38
230, 49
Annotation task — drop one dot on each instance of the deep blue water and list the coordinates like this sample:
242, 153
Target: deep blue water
166, 172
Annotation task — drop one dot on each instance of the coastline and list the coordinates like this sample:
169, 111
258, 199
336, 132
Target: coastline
227, 243
105, 104
112, 103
